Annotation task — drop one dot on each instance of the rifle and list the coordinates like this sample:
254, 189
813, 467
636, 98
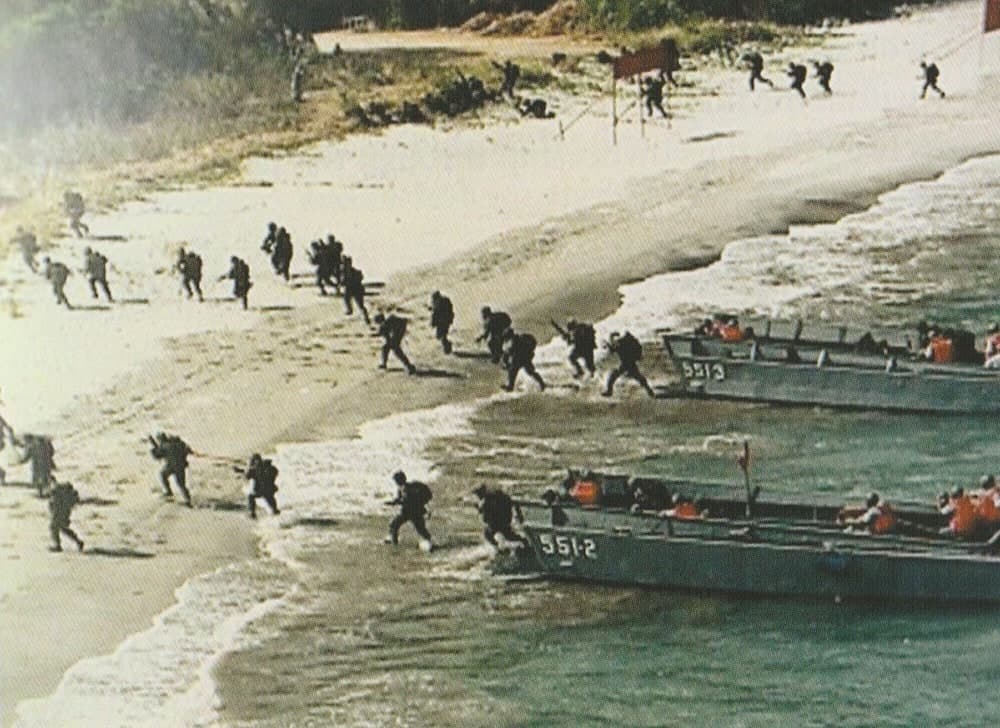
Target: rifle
562, 332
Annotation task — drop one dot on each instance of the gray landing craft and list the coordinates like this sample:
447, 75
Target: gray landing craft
785, 548
831, 371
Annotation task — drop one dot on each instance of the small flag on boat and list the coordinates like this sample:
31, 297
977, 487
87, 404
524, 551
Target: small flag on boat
991, 18
744, 460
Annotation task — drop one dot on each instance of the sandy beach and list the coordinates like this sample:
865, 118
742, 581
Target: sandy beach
504, 213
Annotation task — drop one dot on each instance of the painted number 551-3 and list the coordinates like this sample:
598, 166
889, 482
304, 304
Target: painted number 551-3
703, 370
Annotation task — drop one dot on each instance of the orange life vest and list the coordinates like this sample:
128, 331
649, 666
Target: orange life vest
686, 510
986, 509
942, 350
586, 492
885, 522
731, 333
963, 519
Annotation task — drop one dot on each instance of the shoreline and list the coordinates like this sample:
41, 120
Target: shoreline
579, 273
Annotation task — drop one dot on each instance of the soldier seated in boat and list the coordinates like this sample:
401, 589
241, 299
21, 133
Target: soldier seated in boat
868, 345
940, 348
649, 495
962, 511
685, 509
988, 505
992, 357
877, 519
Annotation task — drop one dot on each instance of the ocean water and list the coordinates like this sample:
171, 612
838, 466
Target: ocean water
331, 627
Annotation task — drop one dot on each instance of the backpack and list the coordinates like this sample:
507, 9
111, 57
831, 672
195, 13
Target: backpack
419, 492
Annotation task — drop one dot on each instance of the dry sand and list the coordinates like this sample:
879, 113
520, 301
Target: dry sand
503, 214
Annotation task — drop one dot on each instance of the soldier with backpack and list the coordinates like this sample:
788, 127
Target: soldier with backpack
239, 271
629, 352
95, 266
189, 266
263, 474
61, 501
392, 329
412, 497
173, 451
518, 354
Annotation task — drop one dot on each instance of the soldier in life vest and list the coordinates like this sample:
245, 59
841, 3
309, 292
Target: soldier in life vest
988, 504
189, 266
629, 352
495, 325
962, 510
74, 207
824, 72
392, 329
95, 266
877, 519
354, 288
57, 273
173, 451
992, 354
755, 61
38, 449
442, 317
519, 353
412, 497
797, 72
239, 272
931, 74
940, 348
61, 501
684, 509
263, 474
498, 511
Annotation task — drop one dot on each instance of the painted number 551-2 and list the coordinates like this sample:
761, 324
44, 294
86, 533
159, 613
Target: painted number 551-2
569, 546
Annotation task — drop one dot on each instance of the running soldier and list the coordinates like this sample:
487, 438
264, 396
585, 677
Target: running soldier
39, 450
412, 496
629, 352
582, 341
173, 451
239, 271
511, 72
824, 72
797, 72
263, 474
28, 244
498, 510
61, 501
354, 288
58, 274
335, 253
189, 266
652, 92
931, 74
281, 257
319, 256
495, 325
270, 239
74, 207
392, 329
756, 63
442, 317
95, 266
518, 354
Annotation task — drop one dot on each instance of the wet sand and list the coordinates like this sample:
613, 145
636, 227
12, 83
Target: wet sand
782, 163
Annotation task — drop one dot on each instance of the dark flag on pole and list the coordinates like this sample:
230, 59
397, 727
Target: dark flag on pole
991, 19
